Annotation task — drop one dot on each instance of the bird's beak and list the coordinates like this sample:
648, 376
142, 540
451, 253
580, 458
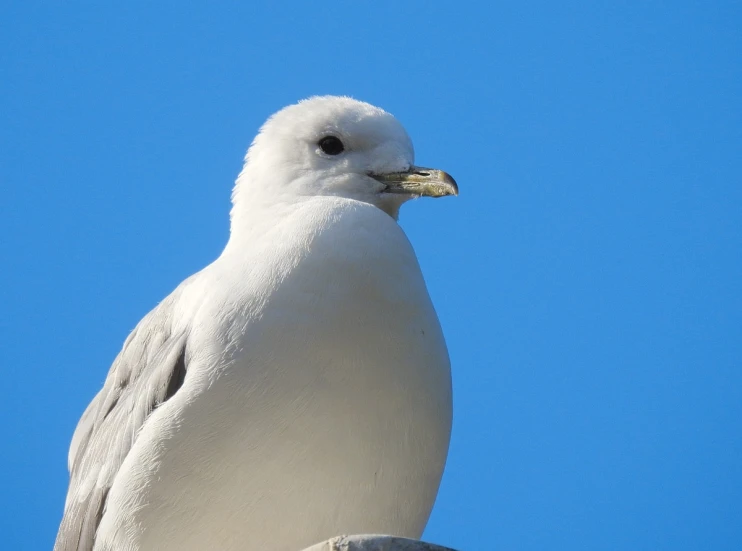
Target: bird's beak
422, 182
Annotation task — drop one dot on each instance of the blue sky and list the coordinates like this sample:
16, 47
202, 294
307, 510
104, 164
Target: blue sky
588, 278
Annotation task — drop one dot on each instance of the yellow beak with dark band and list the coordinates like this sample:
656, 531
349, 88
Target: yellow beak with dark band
419, 181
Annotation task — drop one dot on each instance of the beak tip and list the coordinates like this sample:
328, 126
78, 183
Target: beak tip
450, 183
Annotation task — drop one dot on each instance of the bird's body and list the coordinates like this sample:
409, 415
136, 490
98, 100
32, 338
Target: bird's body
295, 389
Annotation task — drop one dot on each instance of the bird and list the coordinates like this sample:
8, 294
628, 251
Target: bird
296, 388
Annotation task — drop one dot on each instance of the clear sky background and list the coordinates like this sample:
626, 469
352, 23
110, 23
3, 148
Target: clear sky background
588, 278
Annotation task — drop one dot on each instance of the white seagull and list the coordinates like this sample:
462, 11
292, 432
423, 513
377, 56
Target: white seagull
298, 387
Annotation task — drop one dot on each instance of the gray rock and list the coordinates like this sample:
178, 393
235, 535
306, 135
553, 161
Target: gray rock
374, 542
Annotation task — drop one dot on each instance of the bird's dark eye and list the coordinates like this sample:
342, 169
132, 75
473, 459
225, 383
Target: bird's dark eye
331, 145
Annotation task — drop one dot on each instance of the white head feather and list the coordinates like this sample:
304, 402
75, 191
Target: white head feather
285, 162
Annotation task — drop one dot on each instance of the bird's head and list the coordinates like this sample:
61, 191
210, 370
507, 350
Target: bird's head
335, 146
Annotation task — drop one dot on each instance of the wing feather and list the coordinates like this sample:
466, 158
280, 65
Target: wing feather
149, 370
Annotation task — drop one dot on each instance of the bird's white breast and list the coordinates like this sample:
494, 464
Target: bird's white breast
317, 400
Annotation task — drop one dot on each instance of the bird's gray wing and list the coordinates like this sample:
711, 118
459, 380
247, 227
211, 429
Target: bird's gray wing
149, 370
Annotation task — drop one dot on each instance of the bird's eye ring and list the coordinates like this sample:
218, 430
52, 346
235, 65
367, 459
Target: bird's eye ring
331, 145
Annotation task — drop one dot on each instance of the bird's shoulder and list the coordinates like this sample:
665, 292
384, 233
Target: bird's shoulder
150, 333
